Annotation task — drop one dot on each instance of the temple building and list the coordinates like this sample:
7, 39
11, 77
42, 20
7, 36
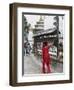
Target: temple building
39, 27
41, 35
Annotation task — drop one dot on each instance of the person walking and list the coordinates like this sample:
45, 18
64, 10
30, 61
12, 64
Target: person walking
46, 58
29, 48
25, 46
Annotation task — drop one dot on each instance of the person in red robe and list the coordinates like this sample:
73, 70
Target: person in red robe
46, 58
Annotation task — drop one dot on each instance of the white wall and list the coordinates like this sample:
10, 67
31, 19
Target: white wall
4, 46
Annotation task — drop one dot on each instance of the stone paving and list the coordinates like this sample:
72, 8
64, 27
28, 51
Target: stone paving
33, 65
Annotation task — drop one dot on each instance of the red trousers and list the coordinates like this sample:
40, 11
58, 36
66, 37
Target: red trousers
47, 68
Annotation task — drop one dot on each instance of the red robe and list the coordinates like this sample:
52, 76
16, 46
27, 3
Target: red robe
46, 58
45, 54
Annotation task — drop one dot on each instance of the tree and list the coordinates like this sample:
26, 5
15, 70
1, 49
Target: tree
26, 28
56, 22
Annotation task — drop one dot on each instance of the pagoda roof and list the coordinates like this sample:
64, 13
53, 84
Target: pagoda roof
48, 31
